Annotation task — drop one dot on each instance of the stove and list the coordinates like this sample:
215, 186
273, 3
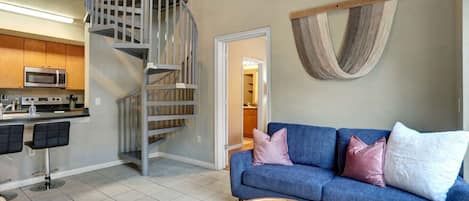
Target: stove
43, 101
48, 103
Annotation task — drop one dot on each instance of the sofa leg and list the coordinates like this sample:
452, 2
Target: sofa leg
239, 199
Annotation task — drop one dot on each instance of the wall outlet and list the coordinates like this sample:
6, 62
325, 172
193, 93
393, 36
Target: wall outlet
31, 152
97, 101
199, 139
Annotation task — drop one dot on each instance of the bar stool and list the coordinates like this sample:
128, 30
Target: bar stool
46, 136
11, 141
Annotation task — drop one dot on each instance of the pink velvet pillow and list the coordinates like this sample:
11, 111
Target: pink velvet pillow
271, 150
366, 162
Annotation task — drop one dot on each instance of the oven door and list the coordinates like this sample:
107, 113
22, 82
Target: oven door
44, 77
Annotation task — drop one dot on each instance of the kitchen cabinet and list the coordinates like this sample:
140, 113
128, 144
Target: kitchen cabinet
34, 53
11, 61
75, 66
249, 121
55, 55
16, 53
39, 53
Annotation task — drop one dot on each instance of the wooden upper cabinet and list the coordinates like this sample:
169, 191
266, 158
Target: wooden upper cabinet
75, 64
249, 121
56, 55
34, 53
11, 62
39, 53
15, 53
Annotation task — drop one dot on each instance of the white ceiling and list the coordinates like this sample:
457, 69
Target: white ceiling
69, 8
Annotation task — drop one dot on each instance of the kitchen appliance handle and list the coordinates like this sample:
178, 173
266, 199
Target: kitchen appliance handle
57, 82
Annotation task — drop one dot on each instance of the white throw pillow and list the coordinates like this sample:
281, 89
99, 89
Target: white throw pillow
425, 164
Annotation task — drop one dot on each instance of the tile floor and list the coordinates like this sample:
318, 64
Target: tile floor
169, 180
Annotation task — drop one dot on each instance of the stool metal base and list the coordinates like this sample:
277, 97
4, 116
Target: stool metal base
45, 186
49, 183
8, 196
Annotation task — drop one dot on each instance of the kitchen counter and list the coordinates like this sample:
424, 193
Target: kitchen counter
42, 116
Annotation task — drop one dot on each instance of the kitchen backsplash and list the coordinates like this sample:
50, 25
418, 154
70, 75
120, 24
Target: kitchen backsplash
15, 94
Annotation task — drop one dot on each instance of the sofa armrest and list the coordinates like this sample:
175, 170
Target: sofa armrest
459, 192
239, 162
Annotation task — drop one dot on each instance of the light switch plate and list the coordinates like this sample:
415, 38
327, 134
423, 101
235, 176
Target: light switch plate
97, 101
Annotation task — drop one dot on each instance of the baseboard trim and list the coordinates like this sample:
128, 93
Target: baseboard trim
237, 146
184, 159
58, 175
67, 173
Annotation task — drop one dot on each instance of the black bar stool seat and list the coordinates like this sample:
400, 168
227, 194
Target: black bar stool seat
46, 136
11, 141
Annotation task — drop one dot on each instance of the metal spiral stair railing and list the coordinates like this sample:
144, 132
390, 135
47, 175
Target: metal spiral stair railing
162, 33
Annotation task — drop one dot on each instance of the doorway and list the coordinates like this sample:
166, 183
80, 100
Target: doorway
242, 90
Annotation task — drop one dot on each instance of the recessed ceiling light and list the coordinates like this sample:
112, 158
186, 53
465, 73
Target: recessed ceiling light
34, 13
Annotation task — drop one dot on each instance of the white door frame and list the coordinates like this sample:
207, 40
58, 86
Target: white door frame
221, 111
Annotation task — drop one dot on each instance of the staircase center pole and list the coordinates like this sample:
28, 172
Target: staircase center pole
144, 127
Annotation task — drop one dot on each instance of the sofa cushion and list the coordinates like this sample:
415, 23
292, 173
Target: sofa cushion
271, 149
459, 191
366, 162
309, 145
298, 180
344, 189
425, 164
368, 136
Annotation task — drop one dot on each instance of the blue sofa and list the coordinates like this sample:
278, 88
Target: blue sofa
318, 154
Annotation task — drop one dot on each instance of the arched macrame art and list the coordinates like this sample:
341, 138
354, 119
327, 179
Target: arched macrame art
369, 25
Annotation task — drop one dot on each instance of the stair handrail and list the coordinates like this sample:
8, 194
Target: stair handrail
88, 8
138, 90
190, 13
193, 54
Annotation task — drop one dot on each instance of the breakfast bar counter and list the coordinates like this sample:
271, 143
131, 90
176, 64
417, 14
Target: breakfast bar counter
42, 116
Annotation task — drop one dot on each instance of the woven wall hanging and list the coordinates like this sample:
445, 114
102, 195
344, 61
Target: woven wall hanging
368, 28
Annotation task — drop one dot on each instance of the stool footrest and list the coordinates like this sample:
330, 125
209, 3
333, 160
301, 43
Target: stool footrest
45, 186
38, 173
5, 181
42, 172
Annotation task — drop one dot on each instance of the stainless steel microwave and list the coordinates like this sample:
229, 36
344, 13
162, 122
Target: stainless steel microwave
44, 77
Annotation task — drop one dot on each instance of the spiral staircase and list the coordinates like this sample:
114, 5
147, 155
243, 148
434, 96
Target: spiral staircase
163, 34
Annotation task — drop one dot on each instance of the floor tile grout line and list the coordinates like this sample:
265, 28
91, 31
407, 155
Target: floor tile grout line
24, 193
200, 178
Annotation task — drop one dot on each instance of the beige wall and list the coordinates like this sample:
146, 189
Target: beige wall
252, 48
415, 81
37, 28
